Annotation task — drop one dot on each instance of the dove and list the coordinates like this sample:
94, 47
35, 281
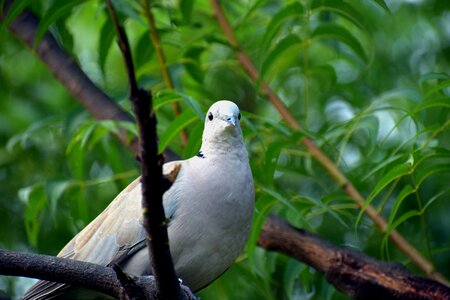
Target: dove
209, 208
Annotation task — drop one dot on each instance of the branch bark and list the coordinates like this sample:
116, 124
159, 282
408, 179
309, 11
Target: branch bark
66, 70
414, 255
101, 279
351, 272
152, 179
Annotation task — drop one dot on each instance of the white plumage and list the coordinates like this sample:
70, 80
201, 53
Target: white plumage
210, 207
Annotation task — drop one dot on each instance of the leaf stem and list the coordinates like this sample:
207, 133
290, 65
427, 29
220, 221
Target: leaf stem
156, 42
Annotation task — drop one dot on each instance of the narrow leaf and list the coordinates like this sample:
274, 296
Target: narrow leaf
292, 10
186, 10
340, 33
58, 10
35, 199
181, 122
105, 41
277, 53
397, 172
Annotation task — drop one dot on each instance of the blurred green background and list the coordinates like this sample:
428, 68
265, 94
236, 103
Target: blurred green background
368, 81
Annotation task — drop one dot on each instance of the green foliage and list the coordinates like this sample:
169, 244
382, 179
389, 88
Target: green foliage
368, 81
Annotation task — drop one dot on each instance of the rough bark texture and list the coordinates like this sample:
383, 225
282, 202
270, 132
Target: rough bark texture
57, 269
353, 273
152, 180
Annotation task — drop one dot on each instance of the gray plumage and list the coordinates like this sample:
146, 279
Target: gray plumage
210, 207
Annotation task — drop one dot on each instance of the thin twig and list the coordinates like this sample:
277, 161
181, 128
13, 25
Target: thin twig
156, 42
152, 180
320, 156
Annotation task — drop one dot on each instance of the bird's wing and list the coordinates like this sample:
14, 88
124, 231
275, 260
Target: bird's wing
115, 235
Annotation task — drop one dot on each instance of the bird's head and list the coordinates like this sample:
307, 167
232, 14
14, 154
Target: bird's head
222, 124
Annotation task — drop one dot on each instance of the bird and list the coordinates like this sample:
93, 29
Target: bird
209, 208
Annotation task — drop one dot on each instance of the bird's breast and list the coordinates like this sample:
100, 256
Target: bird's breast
212, 222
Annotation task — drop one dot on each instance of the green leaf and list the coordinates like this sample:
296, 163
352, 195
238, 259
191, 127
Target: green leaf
64, 36
277, 53
81, 136
35, 200
292, 10
263, 206
105, 41
328, 209
192, 62
340, 7
394, 174
383, 5
143, 51
405, 192
16, 8
436, 89
431, 169
433, 76
434, 198
182, 121
439, 102
186, 10
271, 161
129, 9
90, 133
277, 195
194, 141
291, 276
194, 104
54, 190
57, 11
165, 97
337, 32
407, 215
271, 123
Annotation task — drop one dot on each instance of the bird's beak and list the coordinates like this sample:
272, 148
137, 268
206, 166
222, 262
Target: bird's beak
231, 120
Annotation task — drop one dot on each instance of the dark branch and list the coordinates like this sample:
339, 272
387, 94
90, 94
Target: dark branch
77, 273
124, 46
73, 272
152, 180
354, 273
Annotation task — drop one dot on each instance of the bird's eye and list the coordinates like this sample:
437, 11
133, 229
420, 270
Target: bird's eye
210, 116
239, 116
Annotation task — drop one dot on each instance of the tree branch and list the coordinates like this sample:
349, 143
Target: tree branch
66, 70
73, 272
415, 256
82, 274
352, 272
152, 180
154, 37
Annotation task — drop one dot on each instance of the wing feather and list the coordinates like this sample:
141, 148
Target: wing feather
112, 237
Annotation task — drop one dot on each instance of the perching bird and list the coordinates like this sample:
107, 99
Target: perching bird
209, 205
